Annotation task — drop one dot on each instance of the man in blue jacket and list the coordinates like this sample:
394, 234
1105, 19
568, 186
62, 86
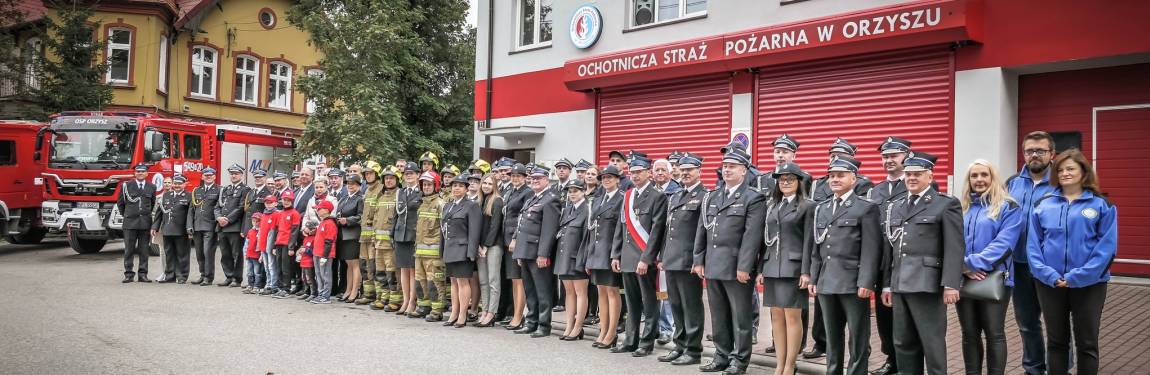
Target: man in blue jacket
1027, 187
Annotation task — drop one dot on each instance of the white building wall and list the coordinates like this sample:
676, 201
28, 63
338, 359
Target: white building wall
985, 120
569, 134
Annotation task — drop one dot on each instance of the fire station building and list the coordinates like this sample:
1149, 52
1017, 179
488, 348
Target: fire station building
962, 79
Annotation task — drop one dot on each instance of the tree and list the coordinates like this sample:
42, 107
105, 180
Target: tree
398, 79
72, 77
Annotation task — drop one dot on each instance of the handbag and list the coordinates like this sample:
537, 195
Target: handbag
992, 288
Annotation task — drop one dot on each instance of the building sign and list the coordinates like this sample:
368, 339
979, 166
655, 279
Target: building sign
943, 20
586, 26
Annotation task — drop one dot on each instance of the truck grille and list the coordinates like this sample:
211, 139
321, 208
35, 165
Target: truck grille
86, 188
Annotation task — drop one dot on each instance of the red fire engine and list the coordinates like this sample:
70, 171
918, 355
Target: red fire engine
20, 186
90, 154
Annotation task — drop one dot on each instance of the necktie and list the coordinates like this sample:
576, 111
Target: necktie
913, 200
835, 206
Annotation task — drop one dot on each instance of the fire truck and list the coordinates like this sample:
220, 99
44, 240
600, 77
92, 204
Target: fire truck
20, 187
90, 154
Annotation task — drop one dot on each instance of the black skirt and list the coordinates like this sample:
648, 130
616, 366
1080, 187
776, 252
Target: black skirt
511, 267
606, 278
463, 269
784, 293
404, 254
347, 250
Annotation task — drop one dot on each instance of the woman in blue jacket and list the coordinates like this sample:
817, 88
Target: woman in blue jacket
1072, 240
992, 223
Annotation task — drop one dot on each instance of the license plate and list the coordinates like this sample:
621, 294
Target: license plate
87, 204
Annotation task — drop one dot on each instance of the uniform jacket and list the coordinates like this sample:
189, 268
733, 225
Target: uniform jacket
255, 203
512, 204
462, 230
538, 226
1074, 241
371, 194
683, 210
928, 254
730, 233
407, 203
428, 233
172, 217
822, 188
136, 204
989, 241
350, 207
384, 219
570, 254
788, 235
846, 251
604, 221
650, 208
203, 208
231, 206
492, 224
1024, 191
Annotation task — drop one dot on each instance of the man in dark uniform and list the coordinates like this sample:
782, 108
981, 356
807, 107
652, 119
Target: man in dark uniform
925, 247
730, 234
503, 169
514, 194
638, 241
894, 151
534, 244
171, 221
821, 187
684, 290
844, 265
280, 180
620, 160
136, 201
202, 226
229, 214
255, 198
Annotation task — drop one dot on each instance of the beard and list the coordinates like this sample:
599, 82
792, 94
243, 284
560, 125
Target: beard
1037, 167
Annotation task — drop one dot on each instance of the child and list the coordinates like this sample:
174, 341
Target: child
267, 235
252, 253
306, 264
284, 243
323, 248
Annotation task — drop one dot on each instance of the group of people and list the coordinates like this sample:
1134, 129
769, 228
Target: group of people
499, 244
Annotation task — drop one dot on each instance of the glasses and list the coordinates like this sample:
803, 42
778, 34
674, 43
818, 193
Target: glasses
1036, 152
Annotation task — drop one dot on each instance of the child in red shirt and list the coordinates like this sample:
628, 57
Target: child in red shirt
267, 235
307, 264
286, 232
323, 248
251, 252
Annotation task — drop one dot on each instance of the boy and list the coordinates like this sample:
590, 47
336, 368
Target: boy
284, 242
323, 248
267, 233
307, 266
252, 254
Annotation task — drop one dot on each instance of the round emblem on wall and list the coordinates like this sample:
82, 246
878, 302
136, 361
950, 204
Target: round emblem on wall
1090, 213
586, 25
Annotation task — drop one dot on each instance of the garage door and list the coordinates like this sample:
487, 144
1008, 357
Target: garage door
865, 98
691, 115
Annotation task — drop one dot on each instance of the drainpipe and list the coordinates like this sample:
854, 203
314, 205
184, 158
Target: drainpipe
490, 50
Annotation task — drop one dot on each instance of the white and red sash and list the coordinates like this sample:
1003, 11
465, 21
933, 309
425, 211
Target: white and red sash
638, 233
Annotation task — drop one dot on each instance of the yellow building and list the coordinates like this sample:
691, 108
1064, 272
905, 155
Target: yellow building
219, 61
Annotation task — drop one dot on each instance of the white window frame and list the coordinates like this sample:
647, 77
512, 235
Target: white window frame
683, 15
214, 66
309, 106
275, 80
538, 21
254, 73
163, 70
112, 46
34, 47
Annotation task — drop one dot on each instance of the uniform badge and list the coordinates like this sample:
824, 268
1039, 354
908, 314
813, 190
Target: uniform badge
847, 203
1090, 213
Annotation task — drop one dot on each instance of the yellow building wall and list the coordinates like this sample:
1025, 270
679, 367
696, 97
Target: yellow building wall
144, 65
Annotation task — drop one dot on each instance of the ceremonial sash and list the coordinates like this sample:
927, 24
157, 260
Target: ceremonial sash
634, 228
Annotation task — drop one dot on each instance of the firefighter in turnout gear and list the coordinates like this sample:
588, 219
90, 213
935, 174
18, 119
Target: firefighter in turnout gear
428, 264
447, 174
367, 254
387, 296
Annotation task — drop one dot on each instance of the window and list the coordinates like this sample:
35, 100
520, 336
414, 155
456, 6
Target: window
119, 55
7, 152
279, 86
163, 70
535, 23
157, 146
649, 12
247, 80
192, 147
267, 18
203, 72
310, 105
33, 51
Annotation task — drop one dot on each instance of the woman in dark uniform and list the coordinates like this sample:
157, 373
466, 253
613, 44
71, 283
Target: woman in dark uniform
787, 234
571, 259
604, 217
594, 189
347, 216
462, 227
490, 260
513, 203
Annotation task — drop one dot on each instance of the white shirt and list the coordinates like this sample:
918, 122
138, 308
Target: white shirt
731, 189
919, 194
841, 199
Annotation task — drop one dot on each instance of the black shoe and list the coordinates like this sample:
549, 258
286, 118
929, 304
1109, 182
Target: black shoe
714, 367
814, 353
513, 328
641, 352
607, 345
181, 281
127, 279
526, 330
708, 337
166, 280
143, 279
559, 309
886, 369
663, 339
623, 349
225, 283
235, 283
471, 318
540, 333
205, 282
686, 360
769, 350
735, 370
449, 323
199, 280
504, 322
591, 321
671, 356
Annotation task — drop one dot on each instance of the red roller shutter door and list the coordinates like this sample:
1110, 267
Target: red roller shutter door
864, 98
691, 115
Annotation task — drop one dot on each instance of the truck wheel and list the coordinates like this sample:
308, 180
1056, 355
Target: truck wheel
31, 237
86, 245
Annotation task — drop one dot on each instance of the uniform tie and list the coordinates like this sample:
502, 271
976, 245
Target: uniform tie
835, 206
913, 200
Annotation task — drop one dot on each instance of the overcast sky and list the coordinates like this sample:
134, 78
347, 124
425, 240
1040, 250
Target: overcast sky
471, 12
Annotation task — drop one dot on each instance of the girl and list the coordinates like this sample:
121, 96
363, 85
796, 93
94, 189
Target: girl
490, 260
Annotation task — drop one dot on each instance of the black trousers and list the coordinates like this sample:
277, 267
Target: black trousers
540, 292
842, 312
642, 308
731, 320
685, 294
176, 253
592, 300
232, 256
205, 246
884, 320
816, 329
287, 267
1067, 311
978, 318
920, 332
136, 247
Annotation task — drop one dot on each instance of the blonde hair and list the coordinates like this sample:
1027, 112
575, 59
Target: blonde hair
995, 196
489, 199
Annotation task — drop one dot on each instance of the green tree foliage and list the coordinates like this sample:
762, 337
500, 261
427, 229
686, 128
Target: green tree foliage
398, 79
72, 78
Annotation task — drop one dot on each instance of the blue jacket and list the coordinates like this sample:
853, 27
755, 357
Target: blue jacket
1074, 241
989, 242
1027, 194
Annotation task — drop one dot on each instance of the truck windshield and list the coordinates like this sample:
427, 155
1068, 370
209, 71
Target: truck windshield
93, 149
